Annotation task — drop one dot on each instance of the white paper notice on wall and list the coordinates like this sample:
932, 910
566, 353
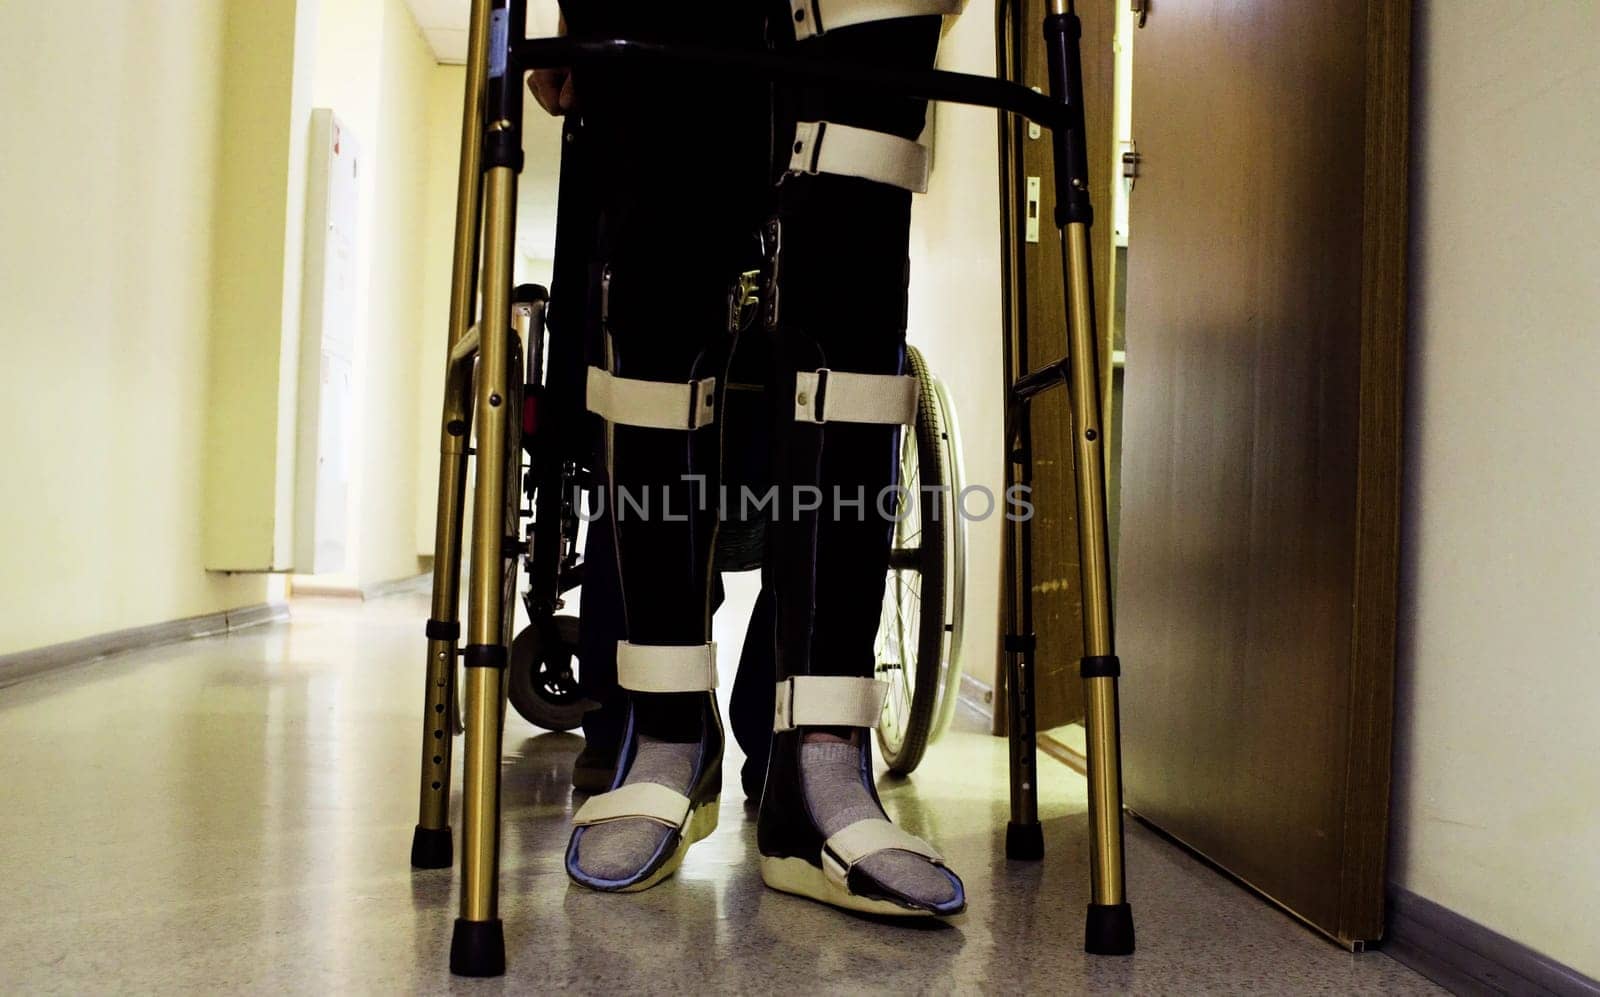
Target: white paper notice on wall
327, 347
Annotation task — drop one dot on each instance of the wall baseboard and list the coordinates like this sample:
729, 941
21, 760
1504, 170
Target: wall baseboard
310, 586
1067, 754
398, 586
1459, 954
23, 665
1465, 957
976, 696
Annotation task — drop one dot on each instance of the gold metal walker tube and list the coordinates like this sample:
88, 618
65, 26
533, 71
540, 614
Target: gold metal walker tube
484, 686
440, 693
1102, 739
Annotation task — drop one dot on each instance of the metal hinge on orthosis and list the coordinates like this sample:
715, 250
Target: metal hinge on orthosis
772, 250
743, 300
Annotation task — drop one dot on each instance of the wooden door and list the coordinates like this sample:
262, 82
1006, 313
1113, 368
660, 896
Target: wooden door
1260, 484
1039, 314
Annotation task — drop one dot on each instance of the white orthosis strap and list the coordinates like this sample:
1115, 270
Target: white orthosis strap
813, 17
828, 701
641, 799
652, 404
844, 150
843, 850
667, 668
838, 396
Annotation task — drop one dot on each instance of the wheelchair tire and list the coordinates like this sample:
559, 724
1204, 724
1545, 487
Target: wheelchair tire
540, 678
919, 636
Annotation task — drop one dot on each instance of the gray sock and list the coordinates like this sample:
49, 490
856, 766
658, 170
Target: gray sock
831, 772
617, 849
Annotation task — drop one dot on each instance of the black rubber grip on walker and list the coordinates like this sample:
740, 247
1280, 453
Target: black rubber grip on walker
1109, 930
1100, 666
431, 848
1064, 62
484, 656
478, 948
1021, 643
441, 630
1024, 842
503, 149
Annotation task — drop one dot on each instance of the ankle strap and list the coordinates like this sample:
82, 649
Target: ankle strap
845, 848
828, 701
667, 668
648, 800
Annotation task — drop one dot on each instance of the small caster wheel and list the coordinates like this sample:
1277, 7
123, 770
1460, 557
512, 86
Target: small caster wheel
543, 688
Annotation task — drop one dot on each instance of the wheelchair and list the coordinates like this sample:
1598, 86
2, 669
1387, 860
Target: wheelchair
921, 626
516, 393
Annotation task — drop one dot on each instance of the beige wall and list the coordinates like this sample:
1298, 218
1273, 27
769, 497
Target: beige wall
376, 72
120, 313
955, 310
106, 195
1496, 810
536, 214
257, 249
445, 87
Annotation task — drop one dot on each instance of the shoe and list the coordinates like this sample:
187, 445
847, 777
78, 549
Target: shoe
682, 817
796, 856
593, 769
752, 777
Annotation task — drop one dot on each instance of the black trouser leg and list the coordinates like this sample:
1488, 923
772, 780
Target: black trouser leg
683, 167
843, 306
750, 706
600, 626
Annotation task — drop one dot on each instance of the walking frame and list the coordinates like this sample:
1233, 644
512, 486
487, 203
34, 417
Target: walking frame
484, 391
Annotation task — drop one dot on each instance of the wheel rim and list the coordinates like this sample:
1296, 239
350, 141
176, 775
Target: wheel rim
955, 542
900, 624
554, 681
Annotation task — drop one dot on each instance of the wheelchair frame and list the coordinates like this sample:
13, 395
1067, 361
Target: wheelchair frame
484, 390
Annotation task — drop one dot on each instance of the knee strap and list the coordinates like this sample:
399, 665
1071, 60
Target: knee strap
667, 668
624, 401
839, 396
828, 701
814, 17
844, 150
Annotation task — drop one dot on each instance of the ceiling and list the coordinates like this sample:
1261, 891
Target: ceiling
444, 24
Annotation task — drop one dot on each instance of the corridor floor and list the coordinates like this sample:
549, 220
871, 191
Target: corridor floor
235, 814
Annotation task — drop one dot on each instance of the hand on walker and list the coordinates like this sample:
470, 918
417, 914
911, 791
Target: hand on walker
552, 88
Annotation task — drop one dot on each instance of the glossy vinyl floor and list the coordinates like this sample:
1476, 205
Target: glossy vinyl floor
234, 814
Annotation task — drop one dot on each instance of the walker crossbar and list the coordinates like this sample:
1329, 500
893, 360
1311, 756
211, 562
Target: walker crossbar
484, 389
934, 84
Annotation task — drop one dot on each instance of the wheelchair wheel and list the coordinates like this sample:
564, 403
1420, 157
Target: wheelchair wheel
919, 633
540, 680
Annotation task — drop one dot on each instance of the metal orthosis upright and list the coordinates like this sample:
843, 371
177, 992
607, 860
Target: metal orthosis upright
485, 384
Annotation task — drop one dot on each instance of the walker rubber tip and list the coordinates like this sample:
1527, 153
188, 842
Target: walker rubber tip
431, 849
1024, 842
478, 948
1109, 930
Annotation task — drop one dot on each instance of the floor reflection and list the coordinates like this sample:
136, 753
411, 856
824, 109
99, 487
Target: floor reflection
235, 815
